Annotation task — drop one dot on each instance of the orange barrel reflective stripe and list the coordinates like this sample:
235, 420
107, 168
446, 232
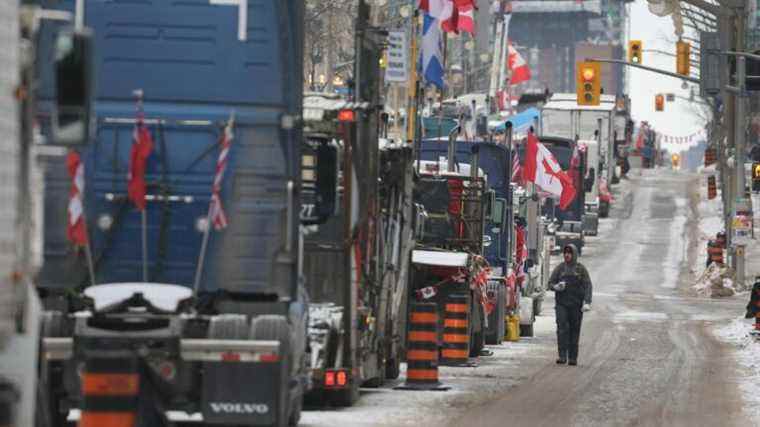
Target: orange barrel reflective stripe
715, 252
422, 349
110, 388
712, 191
456, 335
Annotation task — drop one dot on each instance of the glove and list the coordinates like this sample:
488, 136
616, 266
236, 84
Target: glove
559, 287
586, 307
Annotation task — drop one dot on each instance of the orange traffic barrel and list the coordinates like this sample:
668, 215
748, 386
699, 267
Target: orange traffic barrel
712, 191
456, 331
714, 252
422, 349
110, 388
711, 156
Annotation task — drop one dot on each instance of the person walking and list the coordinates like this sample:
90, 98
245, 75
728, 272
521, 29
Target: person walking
572, 287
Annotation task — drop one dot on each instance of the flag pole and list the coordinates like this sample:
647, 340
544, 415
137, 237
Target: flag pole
143, 214
88, 254
204, 246
144, 227
207, 230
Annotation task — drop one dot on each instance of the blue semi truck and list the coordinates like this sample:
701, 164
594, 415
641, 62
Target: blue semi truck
231, 350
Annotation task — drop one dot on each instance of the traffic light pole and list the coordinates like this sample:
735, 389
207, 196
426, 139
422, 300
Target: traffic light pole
644, 67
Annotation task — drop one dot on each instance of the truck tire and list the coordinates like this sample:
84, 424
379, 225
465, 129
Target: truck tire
228, 327
604, 209
526, 330
393, 367
48, 399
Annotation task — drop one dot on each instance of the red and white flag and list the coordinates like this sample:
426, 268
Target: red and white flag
461, 18
516, 168
543, 169
76, 230
142, 146
216, 212
520, 72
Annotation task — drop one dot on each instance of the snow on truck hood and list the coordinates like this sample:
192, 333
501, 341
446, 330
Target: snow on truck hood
440, 258
162, 296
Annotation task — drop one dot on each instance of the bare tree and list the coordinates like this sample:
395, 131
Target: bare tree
329, 31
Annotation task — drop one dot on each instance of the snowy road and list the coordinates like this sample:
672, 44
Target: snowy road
647, 354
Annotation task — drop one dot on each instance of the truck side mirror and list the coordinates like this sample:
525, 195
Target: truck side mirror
74, 87
489, 204
320, 168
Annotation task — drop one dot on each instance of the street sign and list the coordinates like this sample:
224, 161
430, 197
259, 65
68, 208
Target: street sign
396, 66
742, 226
709, 63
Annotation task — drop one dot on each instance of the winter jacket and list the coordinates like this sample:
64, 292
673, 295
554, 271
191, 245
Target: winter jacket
753, 307
578, 288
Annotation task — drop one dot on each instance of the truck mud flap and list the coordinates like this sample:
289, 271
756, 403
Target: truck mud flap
242, 381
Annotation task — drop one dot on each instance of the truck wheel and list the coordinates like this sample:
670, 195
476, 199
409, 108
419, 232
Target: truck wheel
393, 367
526, 330
48, 398
228, 327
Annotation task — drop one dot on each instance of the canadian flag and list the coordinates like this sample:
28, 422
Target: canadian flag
76, 230
517, 66
543, 169
462, 17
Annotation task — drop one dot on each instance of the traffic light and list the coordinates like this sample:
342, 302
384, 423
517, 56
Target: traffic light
634, 51
683, 63
756, 177
659, 102
589, 83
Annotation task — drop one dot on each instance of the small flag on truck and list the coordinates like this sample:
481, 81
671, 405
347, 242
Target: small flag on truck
216, 212
76, 230
142, 146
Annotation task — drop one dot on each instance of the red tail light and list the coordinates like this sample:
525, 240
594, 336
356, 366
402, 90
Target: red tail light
341, 378
329, 379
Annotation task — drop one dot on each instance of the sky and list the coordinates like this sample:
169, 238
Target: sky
679, 118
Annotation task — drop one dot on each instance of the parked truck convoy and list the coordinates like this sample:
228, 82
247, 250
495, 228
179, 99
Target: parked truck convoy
232, 351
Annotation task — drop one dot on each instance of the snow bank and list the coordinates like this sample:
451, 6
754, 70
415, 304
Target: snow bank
737, 333
715, 281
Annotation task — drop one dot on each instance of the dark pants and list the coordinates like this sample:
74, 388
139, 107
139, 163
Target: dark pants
569, 320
